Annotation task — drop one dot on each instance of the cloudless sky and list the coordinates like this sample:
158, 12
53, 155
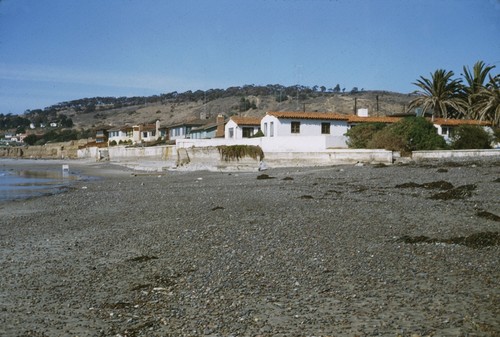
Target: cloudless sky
59, 50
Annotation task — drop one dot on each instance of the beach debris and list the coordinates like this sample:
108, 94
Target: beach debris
217, 207
262, 166
264, 176
460, 192
142, 258
306, 197
488, 215
476, 240
287, 178
440, 184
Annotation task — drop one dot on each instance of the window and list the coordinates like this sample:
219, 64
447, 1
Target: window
231, 132
295, 127
247, 132
325, 128
265, 129
144, 134
271, 129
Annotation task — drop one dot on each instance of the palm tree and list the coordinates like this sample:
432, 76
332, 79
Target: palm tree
488, 101
475, 84
441, 94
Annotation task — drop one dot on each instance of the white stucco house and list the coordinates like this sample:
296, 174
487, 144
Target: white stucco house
301, 124
122, 134
241, 127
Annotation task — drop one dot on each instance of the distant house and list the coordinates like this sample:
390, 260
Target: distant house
146, 132
122, 134
241, 127
203, 132
101, 134
183, 130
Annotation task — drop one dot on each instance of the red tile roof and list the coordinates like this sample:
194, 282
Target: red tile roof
309, 115
246, 120
457, 122
384, 119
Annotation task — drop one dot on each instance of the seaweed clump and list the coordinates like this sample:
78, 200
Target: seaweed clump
236, 152
460, 192
476, 240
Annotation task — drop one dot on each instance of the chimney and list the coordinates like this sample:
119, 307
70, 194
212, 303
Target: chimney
219, 133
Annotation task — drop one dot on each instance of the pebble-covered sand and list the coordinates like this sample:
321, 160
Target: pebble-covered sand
410, 250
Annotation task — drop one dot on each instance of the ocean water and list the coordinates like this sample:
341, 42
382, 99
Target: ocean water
22, 184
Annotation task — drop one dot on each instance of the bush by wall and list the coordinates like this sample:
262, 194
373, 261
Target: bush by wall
471, 137
360, 135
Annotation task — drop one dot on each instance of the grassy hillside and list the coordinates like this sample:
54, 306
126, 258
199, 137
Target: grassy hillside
171, 111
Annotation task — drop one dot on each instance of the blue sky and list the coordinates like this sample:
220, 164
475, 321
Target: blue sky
58, 50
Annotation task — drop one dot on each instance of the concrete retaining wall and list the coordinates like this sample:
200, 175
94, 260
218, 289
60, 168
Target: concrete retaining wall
457, 154
328, 157
47, 151
273, 144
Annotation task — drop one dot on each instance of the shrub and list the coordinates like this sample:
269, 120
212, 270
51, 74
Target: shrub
112, 143
471, 137
258, 134
409, 134
30, 139
360, 135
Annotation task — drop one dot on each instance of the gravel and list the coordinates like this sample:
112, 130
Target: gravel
330, 251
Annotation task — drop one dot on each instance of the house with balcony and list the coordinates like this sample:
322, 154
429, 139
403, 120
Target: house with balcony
101, 135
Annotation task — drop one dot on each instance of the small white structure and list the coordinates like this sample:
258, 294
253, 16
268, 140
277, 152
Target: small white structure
241, 127
362, 112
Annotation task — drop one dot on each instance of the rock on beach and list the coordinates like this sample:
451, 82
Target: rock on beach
330, 251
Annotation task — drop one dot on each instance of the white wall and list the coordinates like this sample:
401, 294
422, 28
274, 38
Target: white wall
436, 154
308, 127
237, 134
272, 144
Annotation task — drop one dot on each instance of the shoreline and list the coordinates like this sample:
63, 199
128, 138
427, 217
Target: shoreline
298, 252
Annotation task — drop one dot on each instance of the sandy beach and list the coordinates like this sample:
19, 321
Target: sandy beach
404, 250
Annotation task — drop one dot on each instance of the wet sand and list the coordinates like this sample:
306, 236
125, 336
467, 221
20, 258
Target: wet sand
334, 251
